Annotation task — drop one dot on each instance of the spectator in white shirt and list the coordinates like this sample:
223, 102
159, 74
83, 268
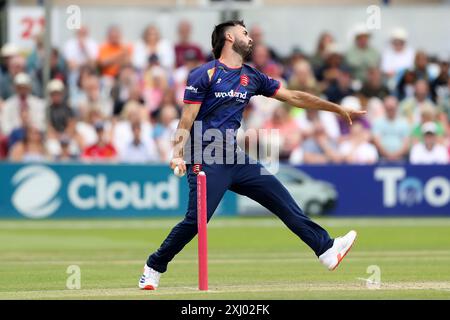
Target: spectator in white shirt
305, 121
429, 151
23, 99
398, 56
152, 44
123, 134
357, 149
318, 148
94, 96
81, 49
137, 151
85, 128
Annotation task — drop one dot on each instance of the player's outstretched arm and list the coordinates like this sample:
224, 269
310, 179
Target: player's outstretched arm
305, 100
181, 136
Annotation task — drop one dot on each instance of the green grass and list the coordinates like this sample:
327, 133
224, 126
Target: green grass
249, 258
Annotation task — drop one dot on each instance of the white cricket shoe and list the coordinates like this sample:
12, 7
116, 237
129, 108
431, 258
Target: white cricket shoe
341, 246
149, 279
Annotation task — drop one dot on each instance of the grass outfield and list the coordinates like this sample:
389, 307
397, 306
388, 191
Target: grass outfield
250, 258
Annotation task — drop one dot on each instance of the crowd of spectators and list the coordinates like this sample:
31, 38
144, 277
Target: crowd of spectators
112, 100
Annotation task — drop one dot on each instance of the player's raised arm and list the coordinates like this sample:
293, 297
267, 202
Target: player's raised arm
188, 116
305, 100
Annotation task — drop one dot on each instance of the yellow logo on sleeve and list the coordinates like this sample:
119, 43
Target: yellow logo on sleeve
211, 73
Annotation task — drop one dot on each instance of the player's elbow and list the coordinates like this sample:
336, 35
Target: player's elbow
294, 98
286, 96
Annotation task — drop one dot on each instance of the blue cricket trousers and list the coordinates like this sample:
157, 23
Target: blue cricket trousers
244, 179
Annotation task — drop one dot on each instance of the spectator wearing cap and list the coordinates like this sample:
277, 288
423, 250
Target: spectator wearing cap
102, 150
16, 65
391, 133
361, 56
113, 53
398, 56
429, 151
58, 69
184, 45
23, 99
412, 107
428, 114
150, 44
180, 75
61, 119
35, 63
60, 114
8, 51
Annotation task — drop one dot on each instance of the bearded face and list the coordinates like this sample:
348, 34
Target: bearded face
243, 48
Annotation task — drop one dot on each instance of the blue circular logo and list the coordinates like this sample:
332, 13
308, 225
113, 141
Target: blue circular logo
410, 191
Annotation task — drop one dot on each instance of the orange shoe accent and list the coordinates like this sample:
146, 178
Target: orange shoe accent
148, 287
340, 258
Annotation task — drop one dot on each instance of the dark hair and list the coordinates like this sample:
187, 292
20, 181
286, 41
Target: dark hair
218, 35
26, 137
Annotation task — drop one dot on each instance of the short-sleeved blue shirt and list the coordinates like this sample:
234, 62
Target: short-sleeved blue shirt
223, 93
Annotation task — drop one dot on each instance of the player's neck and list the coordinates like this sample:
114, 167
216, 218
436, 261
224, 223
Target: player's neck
231, 59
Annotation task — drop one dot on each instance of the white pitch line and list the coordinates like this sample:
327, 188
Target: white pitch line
308, 259
219, 223
369, 281
299, 287
248, 256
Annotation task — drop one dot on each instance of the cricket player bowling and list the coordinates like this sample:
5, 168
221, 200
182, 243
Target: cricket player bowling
215, 96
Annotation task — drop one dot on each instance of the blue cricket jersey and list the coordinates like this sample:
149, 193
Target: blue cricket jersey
223, 93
